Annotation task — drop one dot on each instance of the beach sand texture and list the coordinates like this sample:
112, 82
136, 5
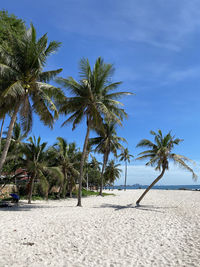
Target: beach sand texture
107, 231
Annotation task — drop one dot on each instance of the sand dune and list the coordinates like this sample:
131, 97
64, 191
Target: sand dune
107, 231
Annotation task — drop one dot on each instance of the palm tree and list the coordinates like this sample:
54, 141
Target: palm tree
105, 143
112, 172
65, 157
34, 161
94, 172
92, 98
21, 69
126, 157
17, 136
159, 154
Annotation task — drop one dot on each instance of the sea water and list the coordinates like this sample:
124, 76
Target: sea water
162, 187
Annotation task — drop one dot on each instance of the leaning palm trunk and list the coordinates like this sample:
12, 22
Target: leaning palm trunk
125, 176
105, 159
154, 182
9, 135
1, 132
82, 163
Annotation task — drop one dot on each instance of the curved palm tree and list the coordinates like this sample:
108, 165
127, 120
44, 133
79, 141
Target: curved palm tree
126, 157
21, 69
112, 172
159, 154
92, 98
107, 142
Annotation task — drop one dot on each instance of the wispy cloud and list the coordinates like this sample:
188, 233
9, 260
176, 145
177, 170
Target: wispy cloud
164, 24
180, 75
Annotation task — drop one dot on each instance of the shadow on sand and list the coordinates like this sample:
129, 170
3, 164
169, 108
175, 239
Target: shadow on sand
27, 207
132, 206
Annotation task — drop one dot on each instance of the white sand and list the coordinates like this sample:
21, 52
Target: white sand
107, 231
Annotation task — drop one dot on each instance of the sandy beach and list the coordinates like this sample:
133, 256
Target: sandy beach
108, 231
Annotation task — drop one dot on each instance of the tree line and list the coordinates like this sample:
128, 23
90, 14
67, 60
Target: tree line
25, 88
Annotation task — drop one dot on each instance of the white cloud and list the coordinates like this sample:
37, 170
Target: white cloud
166, 24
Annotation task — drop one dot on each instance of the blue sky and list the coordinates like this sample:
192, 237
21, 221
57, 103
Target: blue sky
154, 46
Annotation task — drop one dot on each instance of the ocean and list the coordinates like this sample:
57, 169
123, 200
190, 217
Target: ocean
162, 187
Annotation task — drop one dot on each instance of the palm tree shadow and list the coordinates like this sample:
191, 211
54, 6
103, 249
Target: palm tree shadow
150, 208
132, 206
116, 207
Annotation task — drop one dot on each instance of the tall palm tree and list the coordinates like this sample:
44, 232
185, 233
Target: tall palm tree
126, 157
93, 99
159, 154
107, 142
112, 172
21, 69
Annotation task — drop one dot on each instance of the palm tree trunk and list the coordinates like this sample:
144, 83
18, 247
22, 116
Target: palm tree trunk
87, 180
31, 189
82, 163
9, 135
154, 182
1, 132
125, 175
105, 159
64, 189
70, 188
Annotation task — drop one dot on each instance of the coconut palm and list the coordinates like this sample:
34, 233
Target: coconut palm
92, 99
65, 156
94, 172
159, 154
107, 142
17, 136
34, 161
126, 157
112, 172
21, 70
